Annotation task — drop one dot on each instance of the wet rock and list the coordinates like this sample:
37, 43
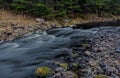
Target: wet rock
117, 50
58, 75
118, 67
103, 65
114, 75
82, 66
92, 63
65, 74
109, 70
87, 53
106, 56
75, 55
69, 74
100, 71
59, 69
116, 56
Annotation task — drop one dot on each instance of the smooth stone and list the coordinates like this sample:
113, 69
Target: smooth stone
88, 53
114, 75
58, 75
92, 63
69, 74
39, 20
59, 69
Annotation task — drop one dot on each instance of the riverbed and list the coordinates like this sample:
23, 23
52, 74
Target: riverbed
20, 58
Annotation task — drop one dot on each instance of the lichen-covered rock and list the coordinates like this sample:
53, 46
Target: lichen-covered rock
85, 45
74, 64
101, 76
64, 65
43, 71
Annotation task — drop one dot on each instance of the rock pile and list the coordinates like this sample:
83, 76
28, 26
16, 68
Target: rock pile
95, 57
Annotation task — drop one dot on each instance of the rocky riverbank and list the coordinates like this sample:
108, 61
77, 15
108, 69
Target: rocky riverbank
92, 56
10, 31
13, 26
63, 53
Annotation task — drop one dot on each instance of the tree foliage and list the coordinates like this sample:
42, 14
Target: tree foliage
58, 8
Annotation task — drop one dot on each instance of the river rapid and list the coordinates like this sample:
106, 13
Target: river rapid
20, 58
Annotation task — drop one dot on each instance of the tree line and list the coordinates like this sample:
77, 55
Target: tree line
62, 8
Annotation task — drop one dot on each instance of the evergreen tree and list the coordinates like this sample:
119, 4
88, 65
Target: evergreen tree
58, 8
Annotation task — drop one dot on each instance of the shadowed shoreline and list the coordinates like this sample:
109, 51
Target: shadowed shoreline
97, 24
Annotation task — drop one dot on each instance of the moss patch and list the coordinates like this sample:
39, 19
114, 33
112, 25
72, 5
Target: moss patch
43, 71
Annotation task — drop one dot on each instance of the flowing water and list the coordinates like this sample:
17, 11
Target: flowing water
21, 57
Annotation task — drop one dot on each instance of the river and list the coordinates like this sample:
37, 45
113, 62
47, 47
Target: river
21, 57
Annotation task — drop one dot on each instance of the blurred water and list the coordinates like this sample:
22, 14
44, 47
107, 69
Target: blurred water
21, 57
